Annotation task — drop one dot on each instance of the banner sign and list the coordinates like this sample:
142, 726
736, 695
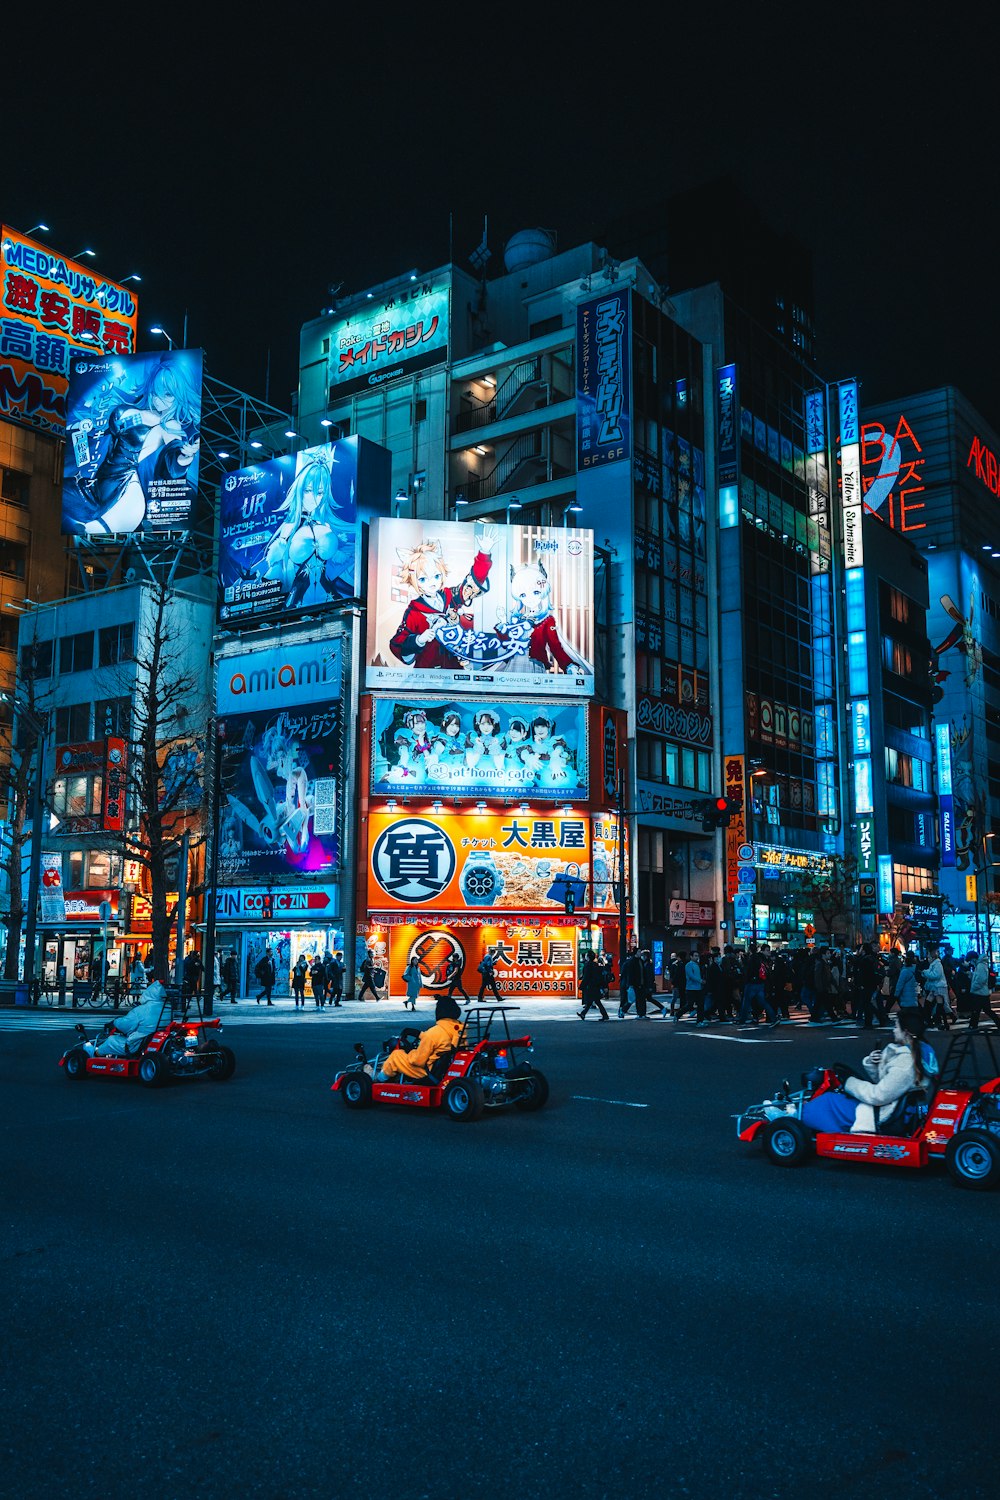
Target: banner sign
727, 417
52, 310
85, 906
530, 959
815, 421
867, 864
777, 857
476, 861
182, 774
457, 607
468, 749
735, 790
281, 903
603, 381
280, 676
280, 774
850, 474
133, 431
605, 862
382, 343
288, 532
115, 753
946, 801
51, 896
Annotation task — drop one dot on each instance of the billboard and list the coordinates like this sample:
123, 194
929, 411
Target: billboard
288, 532
279, 778
51, 310
501, 749
509, 861
133, 430
280, 676
457, 608
603, 380
381, 343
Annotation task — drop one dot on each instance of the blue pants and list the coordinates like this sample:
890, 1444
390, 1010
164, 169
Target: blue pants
830, 1112
753, 995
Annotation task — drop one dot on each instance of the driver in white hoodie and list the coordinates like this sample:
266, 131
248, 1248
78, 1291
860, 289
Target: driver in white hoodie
906, 1063
141, 1021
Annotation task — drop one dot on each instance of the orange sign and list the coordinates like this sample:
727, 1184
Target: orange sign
736, 833
51, 308
477, 862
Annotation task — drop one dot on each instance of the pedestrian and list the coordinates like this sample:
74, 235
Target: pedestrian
591, 986
649, 982
368, 978
453, 971
137, 975
333, 969
230, 976
675, 968
216, 976
191, 971
755, 971
317, 982
980, 996
936, 993
823, 1005
487, 970
299, 974
715, 988
867, 991
607, 967
905, 991
265, 973
414, 983
632, 986
694, 988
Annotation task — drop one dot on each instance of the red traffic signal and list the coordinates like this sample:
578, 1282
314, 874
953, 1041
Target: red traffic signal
716, 812
722, 804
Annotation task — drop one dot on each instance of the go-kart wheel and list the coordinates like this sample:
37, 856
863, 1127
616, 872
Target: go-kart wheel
538, 1091
787, 1141
972, 1158
75, 1065
224, 1062
356, 1091
152, 1073
463, 1099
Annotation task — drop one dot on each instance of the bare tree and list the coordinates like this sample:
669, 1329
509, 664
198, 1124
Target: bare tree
18, 768
162, 789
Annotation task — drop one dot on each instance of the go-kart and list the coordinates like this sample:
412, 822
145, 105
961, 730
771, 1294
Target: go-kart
484, 1072
181, 1046
956, 1120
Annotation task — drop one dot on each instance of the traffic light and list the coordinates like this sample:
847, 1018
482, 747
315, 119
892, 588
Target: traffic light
716, 812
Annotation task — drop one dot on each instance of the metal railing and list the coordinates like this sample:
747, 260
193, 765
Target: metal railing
528, 372
527, 449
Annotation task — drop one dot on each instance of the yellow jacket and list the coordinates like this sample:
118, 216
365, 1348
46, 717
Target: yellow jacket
441, 1037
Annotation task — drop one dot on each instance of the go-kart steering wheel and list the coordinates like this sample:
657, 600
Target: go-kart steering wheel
408, 1038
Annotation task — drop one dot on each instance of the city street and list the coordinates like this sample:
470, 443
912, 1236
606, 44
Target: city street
246, 1289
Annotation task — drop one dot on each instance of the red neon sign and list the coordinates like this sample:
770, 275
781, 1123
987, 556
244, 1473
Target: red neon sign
985, 462
889, 491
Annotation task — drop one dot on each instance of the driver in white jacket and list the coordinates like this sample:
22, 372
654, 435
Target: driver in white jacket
906, 1063
141, 1021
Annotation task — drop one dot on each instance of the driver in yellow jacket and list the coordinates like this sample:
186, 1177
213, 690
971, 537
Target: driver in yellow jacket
441, 1037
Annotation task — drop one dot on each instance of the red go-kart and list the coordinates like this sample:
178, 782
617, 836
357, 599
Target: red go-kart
182, 1048
956, 1120
484, 1072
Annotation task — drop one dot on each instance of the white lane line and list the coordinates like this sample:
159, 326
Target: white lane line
743, 1041
625, 1103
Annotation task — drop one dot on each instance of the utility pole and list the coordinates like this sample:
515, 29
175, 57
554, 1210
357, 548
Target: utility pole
622, 943
212, 882
182, 889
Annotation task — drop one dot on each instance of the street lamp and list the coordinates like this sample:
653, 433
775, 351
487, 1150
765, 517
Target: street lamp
571, 509
512, 505
35, 861
76, 255
460, 500
38, 226
157, 329
134, 276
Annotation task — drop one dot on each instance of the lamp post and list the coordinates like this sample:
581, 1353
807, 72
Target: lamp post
35, 858
163, 332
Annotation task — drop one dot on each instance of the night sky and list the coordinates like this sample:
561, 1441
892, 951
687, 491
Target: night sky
244, 180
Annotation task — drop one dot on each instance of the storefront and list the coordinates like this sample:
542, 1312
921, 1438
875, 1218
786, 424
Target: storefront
76, 946
287, 921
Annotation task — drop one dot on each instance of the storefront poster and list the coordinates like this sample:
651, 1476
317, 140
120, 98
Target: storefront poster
501, 749
383, 341
476, 861
182, 774
288, 532
458, 608
605, 862
51, 896
133, 433
534, 959
279, 793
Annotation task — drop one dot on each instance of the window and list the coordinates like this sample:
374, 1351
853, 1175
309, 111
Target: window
76, 652
36, 660
115, 643
104, 870
13, 558
899, 606
420, 410
14, 486
896, 657
112, 716
73, 724
77, 796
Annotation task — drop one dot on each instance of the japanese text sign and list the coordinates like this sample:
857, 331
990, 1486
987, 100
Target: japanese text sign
603, 381
387, 339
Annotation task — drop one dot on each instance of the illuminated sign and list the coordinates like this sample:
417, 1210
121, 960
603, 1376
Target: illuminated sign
507, 748
477, 861
51, 896
279, 676
776, 857
115, 755
281, 903
133, 425
734, 773
886, 896
866, 847
946, 804
815, 421
727, 414
288, 532
603, 381
850, 474
691, 914
775, 723
889, 490
863, 785
52, 309
457, 608
382, 343
861, 739
984, 461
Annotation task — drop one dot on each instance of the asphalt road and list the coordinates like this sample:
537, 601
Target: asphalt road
244, 1289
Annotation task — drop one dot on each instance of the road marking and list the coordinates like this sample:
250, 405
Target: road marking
625, 1103
743, 1041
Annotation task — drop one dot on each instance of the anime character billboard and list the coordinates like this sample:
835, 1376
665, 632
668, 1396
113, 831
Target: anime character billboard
460, 607
288, 532
499, 749
279, 777
132, 439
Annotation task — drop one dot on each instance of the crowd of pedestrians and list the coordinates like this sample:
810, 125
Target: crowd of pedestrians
763, 985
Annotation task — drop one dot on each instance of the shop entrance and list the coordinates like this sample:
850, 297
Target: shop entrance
285, 948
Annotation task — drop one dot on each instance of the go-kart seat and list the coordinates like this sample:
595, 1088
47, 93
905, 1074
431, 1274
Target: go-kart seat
906, 1116
436, 1071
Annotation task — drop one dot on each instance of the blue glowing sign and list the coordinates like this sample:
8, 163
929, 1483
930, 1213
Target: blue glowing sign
603, 399
866, 847
850, 429
886, 895
727, 411
863, 786
861, 738
815, 421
